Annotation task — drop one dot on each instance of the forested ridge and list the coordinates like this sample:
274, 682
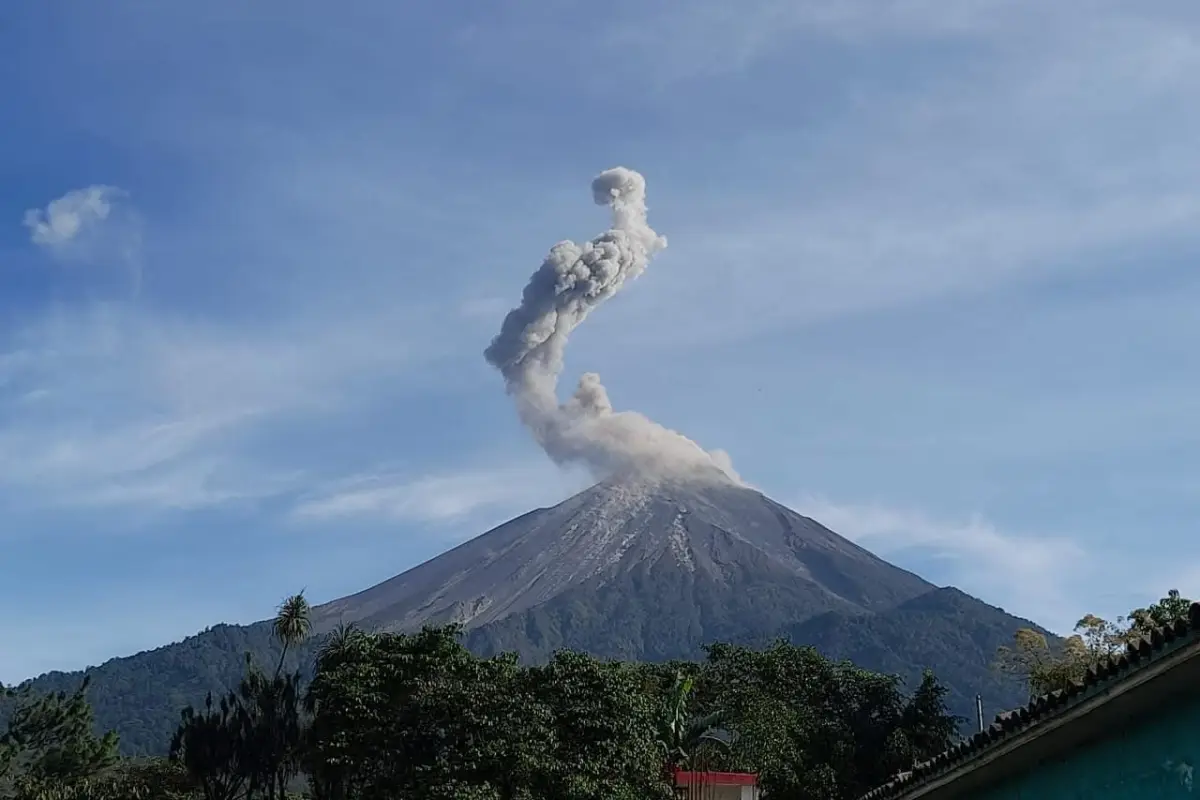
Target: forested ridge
140, 696
388, 715
396, 716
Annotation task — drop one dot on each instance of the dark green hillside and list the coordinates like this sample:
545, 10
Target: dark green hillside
644, 617
141, 696
648, 617
945, 630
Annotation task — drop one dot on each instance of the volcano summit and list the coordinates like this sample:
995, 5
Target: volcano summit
710, 558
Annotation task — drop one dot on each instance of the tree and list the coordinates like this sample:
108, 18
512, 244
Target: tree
50, 739
153, 779
926, 722
1042, 668
292, 624
209, 746
605, 731
1142, 621
1098, 639
251, 740
272, 728
337, 700
683, 735
418, 716
405, 715
813, 728
1046, 669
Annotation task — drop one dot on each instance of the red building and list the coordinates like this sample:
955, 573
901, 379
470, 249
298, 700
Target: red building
716, 786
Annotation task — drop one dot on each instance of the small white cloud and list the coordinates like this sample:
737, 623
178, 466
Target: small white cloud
91, 226
71, 216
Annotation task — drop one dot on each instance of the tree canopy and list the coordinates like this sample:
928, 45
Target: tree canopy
417, 716
1046, 668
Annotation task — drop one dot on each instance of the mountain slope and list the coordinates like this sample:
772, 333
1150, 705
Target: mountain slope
632, 569
717, 537
945, 630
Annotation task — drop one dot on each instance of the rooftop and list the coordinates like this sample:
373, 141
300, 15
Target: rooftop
1121, 674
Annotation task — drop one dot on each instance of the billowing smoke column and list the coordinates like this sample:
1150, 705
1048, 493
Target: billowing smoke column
528, 351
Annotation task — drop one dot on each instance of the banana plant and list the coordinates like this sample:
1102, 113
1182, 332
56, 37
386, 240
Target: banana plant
682, 735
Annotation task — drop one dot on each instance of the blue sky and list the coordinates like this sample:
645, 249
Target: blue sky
932, 279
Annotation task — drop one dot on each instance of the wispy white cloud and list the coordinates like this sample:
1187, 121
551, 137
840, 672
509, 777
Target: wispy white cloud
713, 38
1034, 576
193, 483
843, 261
1010, 168
145, 411
393, 496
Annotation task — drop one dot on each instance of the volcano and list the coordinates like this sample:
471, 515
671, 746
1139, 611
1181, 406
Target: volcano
636, 568
631, 568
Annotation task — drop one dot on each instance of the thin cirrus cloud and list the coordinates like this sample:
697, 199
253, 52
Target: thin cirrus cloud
916, 190
719, 38
1033, 576
119, 407
438, 498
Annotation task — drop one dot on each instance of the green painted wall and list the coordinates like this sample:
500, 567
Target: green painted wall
1152, 758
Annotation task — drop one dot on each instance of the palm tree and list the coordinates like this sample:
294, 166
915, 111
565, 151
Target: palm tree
292, 624
249, 744
273, 706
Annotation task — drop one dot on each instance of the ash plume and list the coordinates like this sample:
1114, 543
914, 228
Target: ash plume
572, 281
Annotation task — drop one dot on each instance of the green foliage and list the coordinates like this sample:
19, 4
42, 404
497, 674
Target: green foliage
50, 739
252, 739
1157, 615
814, 728
1045, 667
208, 745
651, 616
657, 616
604, 730
419, 717
51, 753
140, 696
685, 737
154, 779
272, 730
291, 626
